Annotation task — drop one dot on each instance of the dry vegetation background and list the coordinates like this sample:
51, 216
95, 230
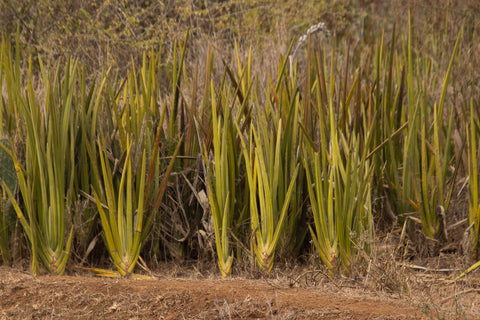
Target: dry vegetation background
111, 34
116, 35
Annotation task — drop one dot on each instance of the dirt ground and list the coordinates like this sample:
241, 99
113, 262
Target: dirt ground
87, 297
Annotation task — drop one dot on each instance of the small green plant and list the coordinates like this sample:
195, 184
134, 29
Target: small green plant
268, 209
128, 199
428, 153
416, 137
47, 178
473, 138
339, 182
221, 182
9, 177
122, 219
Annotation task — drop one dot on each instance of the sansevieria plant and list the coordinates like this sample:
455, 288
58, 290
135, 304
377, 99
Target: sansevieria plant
221, 179
122, 218
339, 179
264, 170
46, 176
473, 134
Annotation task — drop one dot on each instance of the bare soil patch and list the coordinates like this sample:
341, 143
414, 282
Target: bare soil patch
84, 297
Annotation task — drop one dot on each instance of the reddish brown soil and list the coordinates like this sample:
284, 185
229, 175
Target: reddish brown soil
84, 297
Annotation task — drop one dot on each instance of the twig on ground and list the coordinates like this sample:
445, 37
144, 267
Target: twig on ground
453, 296
416, 267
